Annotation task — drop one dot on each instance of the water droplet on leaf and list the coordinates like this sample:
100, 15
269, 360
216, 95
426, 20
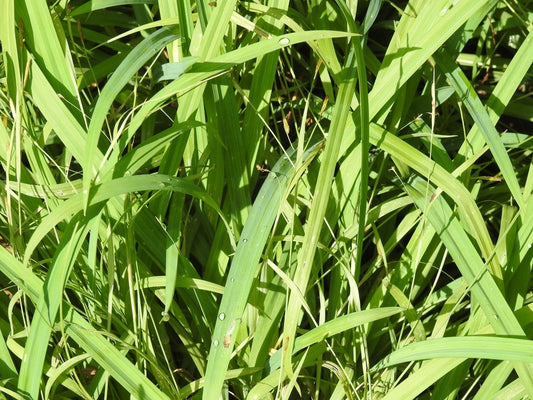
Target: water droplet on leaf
284, 41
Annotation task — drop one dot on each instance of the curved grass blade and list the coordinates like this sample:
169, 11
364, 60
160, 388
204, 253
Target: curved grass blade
430, 372
334, 327
244, 268
473, 269
94, 5
116, 187
47, 308
486, 347
96, 345
413, 45
503, 92
46, 42
183, 282
469, 212
58, 374
257, 110
147, 151
208, 69
64, 123
319, 204
143, 52
468, 95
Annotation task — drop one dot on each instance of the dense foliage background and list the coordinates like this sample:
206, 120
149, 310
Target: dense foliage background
266, 199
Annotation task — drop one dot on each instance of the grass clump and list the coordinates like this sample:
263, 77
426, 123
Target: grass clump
254, 200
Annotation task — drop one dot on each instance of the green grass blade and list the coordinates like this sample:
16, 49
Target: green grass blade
142, 53
94, 5
487, 347
320, 201
483, 287
96, 345
45, 40
501, 96
184, 282
513, 391
237, 172
469, 212
58, 374
429, 373
468, 95
10, 52
473, 269
243, 270
116, 187
146, 152
31, 368
57, 114
257, 111
208, 45
334, 327
6, 362
209, 69
495, 380
412, 46
172, 249
365, 149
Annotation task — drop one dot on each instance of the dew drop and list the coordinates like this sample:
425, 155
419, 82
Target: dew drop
232, 280
245, 240
165, 317
161, 184
215, 343
284, 41
222, 316
529, 245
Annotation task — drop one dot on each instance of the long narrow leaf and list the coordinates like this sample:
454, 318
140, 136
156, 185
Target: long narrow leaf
243, 270
77, 327
483, 287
